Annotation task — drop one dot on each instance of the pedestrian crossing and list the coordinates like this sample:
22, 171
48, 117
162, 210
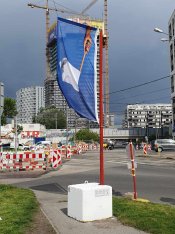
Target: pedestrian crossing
120, 159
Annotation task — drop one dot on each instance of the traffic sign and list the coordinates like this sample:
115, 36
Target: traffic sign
129, 164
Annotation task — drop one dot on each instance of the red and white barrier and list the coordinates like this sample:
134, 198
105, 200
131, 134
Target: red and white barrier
56, 158
149, 147
22, 161
26, 161
94, 147
145, 149
79, 147
69, 153
24, 155
41, 159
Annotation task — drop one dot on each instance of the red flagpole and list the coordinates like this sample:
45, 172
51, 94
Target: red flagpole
101, 109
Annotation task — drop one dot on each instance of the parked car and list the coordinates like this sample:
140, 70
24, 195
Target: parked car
6, 146
11, 146
110, 145
120, 144
43, 143
163, 144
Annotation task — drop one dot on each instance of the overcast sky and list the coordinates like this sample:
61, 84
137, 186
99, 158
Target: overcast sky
136, 54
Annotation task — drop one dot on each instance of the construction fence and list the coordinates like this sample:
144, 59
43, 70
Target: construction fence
41, 159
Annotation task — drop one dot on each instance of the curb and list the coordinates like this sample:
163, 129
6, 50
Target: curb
49, 220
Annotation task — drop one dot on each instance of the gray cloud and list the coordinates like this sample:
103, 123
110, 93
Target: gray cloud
136, 54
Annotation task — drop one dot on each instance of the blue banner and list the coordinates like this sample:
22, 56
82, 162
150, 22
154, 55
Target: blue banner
77, 59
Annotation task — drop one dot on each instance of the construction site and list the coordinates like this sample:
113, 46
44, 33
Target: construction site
53, 95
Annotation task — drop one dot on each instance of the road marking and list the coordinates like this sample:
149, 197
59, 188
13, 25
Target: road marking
121, 162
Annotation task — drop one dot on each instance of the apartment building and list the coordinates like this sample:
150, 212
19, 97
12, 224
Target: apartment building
29, 101
1, 97
171, 28
148, 116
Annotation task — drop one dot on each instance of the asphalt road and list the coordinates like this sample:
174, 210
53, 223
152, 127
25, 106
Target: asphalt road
155, 175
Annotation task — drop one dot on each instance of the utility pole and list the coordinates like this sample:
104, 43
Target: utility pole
56, 117
75, 129
147, 126
66, 125
161, 124
16, 134
1, 109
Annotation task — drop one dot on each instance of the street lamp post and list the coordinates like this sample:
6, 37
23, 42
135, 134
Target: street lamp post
1, 109
147, 127
161, 124
158, 30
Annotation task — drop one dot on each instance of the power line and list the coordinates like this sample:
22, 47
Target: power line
141, 102
124, 103
118, 103
55, 7
159, 98
67, 8
136, 86
124, 107
143, 94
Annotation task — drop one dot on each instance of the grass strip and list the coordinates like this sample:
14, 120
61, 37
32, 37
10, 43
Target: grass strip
148, 217
17, 208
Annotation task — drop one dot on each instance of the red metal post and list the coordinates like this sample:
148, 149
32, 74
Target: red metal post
133, 168
101, 109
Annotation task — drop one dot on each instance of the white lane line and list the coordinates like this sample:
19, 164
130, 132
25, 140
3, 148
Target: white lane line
158, 163
121, 162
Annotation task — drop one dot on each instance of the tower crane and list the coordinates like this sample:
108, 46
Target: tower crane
48, 73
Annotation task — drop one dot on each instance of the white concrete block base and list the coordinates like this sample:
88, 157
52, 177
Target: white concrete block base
89, 201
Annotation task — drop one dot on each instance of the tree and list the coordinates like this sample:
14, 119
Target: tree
51, 117
9, 109
87, 135
19, 129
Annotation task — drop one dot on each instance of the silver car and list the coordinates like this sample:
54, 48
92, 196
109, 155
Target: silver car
164, 144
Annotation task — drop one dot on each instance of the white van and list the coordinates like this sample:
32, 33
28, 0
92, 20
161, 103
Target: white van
43, 143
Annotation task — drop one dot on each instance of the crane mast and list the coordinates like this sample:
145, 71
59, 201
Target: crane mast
106, 63
48, 73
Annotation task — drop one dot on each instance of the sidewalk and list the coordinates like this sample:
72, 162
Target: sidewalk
54, 206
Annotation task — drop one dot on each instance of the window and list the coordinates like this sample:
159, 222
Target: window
172, 84
170, 32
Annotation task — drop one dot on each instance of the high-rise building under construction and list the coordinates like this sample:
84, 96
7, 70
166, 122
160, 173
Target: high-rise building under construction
53, 95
